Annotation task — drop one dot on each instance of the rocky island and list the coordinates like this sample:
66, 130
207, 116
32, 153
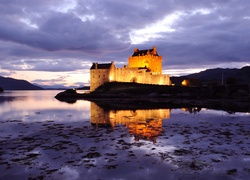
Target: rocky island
135, 95
141, 84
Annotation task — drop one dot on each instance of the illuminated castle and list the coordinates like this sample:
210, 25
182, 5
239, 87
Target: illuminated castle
144, 66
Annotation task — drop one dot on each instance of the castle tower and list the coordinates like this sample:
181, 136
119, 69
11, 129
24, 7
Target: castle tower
101, 73
148, 58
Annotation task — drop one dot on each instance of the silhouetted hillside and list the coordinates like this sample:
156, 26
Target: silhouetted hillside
16, 84
217, 76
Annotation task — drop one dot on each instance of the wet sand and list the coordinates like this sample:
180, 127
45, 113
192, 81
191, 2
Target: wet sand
190, 146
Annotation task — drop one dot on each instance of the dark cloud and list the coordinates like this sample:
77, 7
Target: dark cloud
62, 32
64, 35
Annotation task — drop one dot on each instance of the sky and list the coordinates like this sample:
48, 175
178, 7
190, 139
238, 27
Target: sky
55, 42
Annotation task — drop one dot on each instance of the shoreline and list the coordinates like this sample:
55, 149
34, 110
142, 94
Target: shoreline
121, 100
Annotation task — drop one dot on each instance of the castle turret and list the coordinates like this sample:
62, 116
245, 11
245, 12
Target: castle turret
154, 50
136, 50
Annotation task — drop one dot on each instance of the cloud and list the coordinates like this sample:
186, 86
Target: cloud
63, 35
62, 32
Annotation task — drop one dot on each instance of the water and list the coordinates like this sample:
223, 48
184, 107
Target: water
43, 138
27, 105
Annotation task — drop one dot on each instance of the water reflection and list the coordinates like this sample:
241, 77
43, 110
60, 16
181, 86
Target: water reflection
4, 99
191, 110
142, 123
40, 106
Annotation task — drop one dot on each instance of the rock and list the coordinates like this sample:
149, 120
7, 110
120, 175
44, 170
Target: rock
66, 93
232, 171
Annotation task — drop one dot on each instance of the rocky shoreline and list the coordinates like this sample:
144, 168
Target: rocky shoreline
201, 146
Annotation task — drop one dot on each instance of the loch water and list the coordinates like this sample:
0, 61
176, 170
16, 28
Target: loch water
43, 138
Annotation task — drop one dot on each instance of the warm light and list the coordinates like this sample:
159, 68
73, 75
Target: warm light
185, 83
111, 78
143, 124
184, 109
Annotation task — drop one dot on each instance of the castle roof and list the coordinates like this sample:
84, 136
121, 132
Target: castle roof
143, 52
101, 66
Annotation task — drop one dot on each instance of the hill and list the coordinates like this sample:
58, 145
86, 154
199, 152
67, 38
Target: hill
217, 76
17, 84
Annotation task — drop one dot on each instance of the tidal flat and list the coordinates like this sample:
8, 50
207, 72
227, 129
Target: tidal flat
42, 138
211, 145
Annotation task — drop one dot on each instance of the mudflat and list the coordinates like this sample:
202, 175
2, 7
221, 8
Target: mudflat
205, 145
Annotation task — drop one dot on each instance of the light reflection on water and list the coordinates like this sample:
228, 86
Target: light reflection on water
42, 106
141, 123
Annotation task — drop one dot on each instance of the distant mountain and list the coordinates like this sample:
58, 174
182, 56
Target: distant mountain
217, 76
17, 84
53, 87
61, 87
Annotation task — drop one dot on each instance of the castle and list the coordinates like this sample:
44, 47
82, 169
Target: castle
144, 66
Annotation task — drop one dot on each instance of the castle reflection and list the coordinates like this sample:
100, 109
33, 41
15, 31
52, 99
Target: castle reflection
143, 124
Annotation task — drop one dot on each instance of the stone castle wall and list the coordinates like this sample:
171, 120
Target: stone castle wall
152, 62
100, 76
140, 76
143, 67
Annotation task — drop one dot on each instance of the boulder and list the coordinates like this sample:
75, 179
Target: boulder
66, 93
